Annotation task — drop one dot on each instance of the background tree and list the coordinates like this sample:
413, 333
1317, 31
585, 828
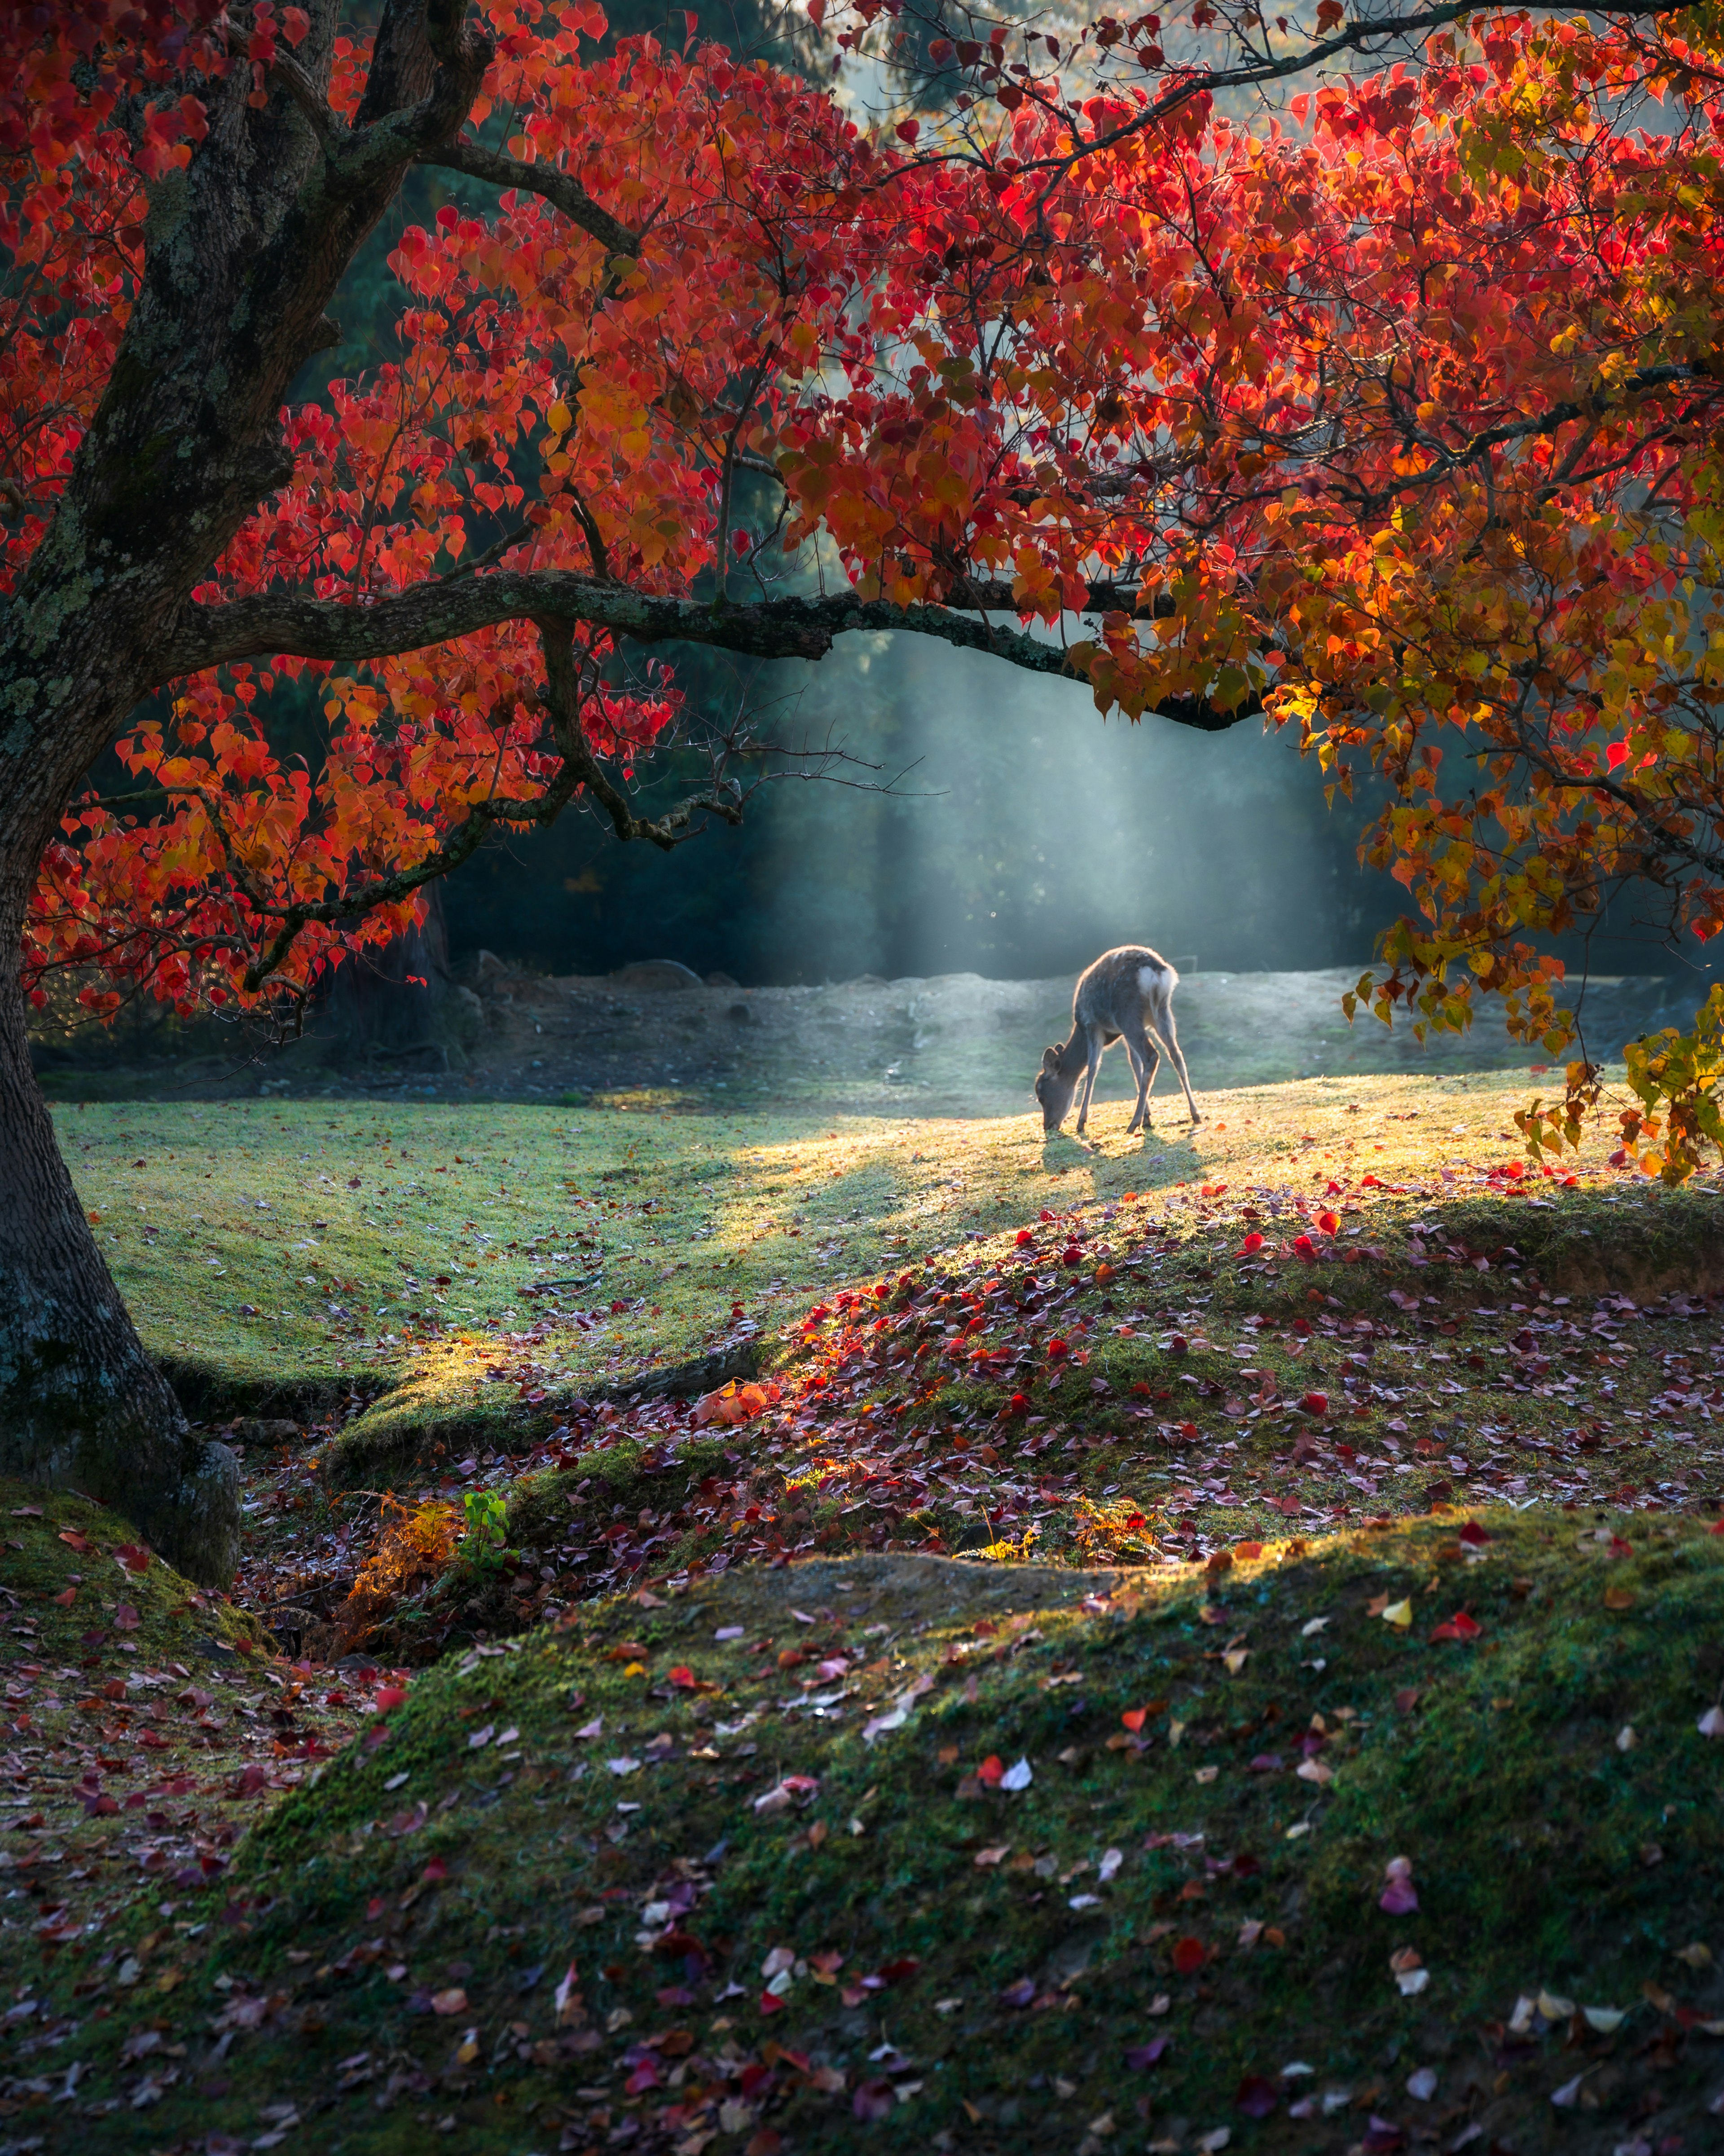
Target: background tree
1397, 428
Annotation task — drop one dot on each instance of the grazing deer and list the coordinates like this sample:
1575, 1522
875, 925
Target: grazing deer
1127, 995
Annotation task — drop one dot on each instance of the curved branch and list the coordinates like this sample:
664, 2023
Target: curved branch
437, 611
1353, 36
562, 704
562, 190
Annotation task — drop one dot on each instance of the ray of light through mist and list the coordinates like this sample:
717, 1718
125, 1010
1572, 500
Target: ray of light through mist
1023, 835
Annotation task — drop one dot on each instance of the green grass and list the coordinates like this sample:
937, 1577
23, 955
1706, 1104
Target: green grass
1552, 1855
279, 1256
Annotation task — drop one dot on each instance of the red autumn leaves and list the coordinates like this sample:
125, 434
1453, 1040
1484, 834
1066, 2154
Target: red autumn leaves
856, 280
1304, 1246
733, 1403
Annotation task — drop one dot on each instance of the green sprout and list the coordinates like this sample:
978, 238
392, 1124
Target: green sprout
484, 1542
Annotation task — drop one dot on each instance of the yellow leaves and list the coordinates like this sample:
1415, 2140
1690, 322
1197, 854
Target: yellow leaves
1615, 368
1679, 1075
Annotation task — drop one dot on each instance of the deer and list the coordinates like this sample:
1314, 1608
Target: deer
1127, 995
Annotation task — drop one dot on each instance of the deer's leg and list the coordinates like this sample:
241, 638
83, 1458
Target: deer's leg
1095, 1065
1144, 1063
1169, 1039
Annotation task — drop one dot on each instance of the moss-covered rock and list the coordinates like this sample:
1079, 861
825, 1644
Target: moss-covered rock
64, 1587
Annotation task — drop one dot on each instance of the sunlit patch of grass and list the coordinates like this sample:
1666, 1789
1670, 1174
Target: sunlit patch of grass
641, 1099
292, 1251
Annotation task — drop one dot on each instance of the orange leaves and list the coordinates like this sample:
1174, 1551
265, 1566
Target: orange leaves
734, 1404
414, 1547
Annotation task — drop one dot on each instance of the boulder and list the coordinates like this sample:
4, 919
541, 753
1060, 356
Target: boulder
656, 975
260, 1429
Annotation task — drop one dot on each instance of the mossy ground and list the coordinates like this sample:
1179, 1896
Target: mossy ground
1481, 1347
299, 1253
64, 1592
145, 1723
969, 1967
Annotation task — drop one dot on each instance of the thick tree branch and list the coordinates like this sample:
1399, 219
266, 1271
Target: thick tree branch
402, 64
436, 613
330, 130
562, 190
427, 66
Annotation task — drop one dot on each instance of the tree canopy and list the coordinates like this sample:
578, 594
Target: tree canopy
1393, 420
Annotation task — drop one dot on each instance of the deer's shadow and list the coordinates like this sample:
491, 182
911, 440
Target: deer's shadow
1063, 1148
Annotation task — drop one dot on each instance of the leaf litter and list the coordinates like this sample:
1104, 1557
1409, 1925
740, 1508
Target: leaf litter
1019, 1389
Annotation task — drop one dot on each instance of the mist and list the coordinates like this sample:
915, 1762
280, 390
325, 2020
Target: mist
1018, 835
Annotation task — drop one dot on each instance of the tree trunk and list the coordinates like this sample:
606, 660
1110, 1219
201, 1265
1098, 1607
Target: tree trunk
393, 1003
243, 249
80, 1401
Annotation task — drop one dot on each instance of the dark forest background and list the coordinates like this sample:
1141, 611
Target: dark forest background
1022, 835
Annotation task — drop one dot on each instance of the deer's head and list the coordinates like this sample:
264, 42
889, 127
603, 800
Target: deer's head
1053, 1090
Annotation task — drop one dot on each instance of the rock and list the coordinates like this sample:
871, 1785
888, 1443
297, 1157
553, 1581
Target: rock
684, 1380
719, 979
659, 974
255, 1429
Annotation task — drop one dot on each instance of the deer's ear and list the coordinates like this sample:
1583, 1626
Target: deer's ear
1050, 1058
